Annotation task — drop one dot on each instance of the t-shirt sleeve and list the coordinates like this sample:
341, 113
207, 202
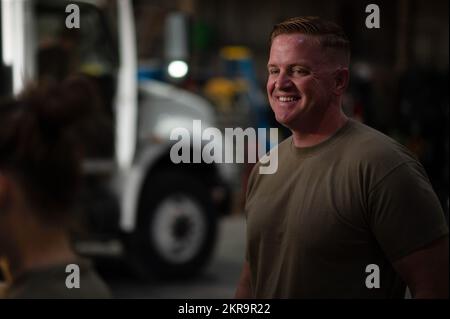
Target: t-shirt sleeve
404, 212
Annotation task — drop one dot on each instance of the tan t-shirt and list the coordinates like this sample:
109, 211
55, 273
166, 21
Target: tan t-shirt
330, 210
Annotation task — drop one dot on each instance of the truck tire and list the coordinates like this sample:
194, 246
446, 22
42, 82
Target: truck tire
177, 226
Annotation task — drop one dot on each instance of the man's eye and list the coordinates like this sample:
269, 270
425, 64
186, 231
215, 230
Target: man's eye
300, 71
273, 71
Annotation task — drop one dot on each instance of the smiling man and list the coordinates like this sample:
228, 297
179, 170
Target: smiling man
344, 197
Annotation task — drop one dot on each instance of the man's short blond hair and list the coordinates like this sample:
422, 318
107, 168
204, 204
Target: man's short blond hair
329, 34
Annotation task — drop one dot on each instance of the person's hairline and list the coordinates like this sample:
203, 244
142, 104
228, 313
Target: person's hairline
316, 39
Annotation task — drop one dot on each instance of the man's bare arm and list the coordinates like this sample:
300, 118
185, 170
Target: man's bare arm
244, 290
425, 271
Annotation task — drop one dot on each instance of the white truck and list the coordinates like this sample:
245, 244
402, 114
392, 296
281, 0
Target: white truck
162, 217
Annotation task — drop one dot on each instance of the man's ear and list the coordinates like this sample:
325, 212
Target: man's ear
341, 80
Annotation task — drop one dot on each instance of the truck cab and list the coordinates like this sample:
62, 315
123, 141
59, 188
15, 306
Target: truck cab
160, 216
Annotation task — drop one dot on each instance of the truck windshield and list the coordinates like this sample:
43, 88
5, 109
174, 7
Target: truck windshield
89, 50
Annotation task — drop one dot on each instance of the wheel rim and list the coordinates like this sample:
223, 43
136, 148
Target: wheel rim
178, 229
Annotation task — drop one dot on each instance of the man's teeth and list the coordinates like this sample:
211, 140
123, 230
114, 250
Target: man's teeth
287, 98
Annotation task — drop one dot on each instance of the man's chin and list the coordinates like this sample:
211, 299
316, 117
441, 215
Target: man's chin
285, 121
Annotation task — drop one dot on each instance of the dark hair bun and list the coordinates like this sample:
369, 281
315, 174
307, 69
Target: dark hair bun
58, 107
41, 141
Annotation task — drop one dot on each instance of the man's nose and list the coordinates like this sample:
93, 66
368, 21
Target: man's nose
283, 81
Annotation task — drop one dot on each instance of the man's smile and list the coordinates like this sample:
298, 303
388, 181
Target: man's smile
283, 98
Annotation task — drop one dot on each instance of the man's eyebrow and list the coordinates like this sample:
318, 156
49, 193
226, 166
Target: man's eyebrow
300, 64
290, 66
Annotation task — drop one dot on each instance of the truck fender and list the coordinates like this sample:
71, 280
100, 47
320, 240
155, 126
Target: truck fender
131, 182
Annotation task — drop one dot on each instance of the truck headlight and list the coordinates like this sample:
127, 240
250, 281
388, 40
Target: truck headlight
177, 69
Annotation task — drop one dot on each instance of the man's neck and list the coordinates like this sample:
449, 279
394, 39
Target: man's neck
318, 130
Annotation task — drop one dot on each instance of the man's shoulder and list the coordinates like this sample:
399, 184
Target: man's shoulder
367, 145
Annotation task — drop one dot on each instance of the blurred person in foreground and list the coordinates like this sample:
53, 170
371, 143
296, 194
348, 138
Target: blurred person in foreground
40, 175
345, 197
